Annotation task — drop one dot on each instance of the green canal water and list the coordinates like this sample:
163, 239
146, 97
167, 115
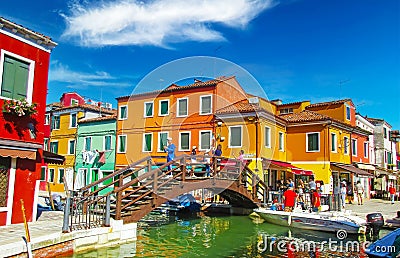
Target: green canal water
226, 236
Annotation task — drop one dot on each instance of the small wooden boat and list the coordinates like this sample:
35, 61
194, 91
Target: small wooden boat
321, 221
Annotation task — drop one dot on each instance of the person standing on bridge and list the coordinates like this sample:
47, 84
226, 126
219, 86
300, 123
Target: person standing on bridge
170, 150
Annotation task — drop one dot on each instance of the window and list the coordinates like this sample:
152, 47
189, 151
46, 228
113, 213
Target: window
235, 136
51, 174
72, 120
123, 112
386, 157
389, 158
107, 143
43, 174
267, 141
74, 102
164, 107
17, 76
312, 142
286, 111
55, 123
347, 112
46, 144
354, 147
385, 133
54, 147
346, 145
281, 142
333, 143
162, 140
121, 143
104, 173
61, 175
182, 107
205, 140
87, 141
71, 147
184, 141
147, 142
148, 109
47, 119
205, 105
365, 149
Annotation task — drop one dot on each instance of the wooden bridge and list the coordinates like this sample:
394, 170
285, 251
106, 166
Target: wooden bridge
143, 186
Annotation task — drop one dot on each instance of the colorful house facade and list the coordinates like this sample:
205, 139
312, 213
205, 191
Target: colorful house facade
24, 65
95, 150
63, 137
183, 113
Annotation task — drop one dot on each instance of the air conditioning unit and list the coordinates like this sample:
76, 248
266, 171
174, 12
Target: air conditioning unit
254, 100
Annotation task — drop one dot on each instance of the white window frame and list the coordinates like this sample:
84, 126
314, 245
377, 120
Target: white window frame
180, 140
31, 73
334, 144
59, 122
84, 143
346, 145
104, 142
144, 142
159, 107
158, 140
119, 143
48, 174
47, 119
59, 175
70, 120
152, 108
46, 146
354, 151
230, 135
201, 102
178, 105
72, 100
281, 141
349, 113
319, 142
269, 136
119, 112
200, 142
69, 146
58, 145
366, 149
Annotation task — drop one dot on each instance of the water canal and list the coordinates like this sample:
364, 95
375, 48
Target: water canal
227, 236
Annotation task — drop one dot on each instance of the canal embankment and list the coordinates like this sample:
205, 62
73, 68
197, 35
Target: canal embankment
47, 239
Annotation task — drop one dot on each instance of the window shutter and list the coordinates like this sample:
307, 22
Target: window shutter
21, 80
7, 86
147, 146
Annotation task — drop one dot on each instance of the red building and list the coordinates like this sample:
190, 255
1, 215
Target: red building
24, 66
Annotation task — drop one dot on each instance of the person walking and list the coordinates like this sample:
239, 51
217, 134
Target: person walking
170, 150
392, 192
343, 192
360, 193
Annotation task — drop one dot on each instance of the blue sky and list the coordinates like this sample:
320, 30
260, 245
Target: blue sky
296, 49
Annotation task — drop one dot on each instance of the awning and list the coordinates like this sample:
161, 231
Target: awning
53, 158
15, 153
365, 166
286, 166
353, 169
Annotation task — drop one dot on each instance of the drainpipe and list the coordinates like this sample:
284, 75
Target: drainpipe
256, 124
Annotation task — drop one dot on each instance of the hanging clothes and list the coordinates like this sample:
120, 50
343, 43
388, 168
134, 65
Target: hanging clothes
102, 157
91, 156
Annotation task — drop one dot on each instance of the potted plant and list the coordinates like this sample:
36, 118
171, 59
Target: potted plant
19, 107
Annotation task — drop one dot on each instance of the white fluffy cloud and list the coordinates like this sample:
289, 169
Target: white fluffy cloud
77, 80
157, 22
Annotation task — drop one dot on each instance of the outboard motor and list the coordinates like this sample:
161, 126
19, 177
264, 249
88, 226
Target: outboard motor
374, 224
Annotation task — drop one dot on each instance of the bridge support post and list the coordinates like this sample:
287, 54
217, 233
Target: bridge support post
183, 169
67, 209
107, 217
119, 199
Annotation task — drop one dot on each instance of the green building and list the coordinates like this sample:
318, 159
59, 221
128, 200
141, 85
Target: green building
95, 150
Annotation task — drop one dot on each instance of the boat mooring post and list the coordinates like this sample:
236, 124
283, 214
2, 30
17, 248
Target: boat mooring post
107, 217
67, 209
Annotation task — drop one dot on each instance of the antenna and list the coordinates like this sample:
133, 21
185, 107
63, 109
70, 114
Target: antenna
340, 86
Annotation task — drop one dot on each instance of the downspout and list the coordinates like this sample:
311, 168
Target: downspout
256, 124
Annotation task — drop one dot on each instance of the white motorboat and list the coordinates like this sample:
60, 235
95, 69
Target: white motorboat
321, 221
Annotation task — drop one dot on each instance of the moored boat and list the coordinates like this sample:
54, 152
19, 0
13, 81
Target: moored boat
321, 221
388, 246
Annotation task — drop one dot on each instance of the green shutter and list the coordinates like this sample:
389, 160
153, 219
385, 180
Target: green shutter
147, 146
7, 86
43, 174
122, 141
107, 142
164, 107
15, 78
21, 81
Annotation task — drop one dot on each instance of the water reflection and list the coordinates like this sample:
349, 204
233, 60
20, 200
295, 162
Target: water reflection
233, 236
